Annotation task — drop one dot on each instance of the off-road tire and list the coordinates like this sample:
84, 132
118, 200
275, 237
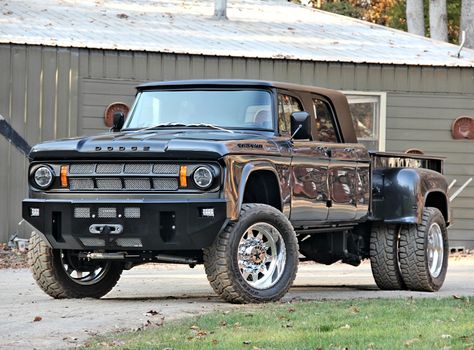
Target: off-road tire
413, 253
46, 265
220, 259
384, 260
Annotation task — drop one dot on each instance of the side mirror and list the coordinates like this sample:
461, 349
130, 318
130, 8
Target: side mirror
300, 125
118, 121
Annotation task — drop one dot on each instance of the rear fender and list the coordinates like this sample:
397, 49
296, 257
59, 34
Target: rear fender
400, 194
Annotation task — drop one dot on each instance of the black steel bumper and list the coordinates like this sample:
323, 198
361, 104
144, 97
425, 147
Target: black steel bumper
128, 225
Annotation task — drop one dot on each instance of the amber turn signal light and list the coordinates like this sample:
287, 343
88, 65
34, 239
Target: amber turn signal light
183, 180
64, 182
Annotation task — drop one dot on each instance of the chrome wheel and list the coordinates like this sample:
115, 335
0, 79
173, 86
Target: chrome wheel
435, 250
83, 273
261, 255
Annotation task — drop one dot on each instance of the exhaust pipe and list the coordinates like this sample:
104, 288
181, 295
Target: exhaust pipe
176, 259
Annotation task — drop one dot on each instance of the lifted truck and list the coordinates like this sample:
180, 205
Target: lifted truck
243, 176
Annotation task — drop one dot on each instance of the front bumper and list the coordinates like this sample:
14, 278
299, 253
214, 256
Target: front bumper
128, 224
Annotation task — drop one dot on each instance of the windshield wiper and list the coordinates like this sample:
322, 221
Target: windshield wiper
195, 125
162, 125
206, 125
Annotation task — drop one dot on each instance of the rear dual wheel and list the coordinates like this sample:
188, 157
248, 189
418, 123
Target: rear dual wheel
413, 257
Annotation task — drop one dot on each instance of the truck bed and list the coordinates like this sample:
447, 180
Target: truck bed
406, 160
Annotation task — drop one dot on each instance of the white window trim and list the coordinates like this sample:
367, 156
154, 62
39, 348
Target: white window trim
382, 113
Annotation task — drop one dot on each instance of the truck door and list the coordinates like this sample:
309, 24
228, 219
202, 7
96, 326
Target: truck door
342, 171
309, 167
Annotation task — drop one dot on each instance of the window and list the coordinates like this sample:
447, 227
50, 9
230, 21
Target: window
325, 130
368, 116
286, 106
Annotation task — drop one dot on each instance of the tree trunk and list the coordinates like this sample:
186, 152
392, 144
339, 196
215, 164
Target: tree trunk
415, 18
220, 10
467, 22
438, 20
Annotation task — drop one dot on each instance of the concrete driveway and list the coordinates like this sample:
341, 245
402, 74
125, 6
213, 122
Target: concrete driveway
174, 292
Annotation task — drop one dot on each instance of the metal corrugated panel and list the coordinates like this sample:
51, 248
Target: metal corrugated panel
256, 28
38, 97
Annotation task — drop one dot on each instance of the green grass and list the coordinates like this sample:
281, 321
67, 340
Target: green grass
361, 324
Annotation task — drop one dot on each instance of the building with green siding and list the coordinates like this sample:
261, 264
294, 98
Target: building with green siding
62, 63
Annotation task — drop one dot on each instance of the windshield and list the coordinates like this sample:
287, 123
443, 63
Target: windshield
233, 109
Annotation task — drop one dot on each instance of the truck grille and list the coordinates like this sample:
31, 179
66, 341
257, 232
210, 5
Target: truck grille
123, 177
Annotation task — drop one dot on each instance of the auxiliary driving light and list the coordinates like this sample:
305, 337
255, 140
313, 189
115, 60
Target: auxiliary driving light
207, 212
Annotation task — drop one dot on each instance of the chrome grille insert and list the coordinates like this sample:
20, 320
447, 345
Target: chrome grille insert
82, 213
132, 213
81, 168
166, 169
109, 184
81, 184
139, 168
165, 184
109, 168
137, 184
129, 242
123, 176
95, 242
107, 213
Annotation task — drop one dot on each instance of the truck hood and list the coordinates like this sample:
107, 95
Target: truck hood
176, 143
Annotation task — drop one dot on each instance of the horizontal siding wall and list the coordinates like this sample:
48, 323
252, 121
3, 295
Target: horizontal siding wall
69, 90
38, 97
423, 121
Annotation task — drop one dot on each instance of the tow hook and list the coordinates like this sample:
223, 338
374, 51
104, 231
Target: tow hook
106, 229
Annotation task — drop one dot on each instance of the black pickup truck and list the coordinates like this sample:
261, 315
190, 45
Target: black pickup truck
246, 177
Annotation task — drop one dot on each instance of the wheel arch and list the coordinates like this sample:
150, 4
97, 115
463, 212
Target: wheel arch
253, 174
438, 199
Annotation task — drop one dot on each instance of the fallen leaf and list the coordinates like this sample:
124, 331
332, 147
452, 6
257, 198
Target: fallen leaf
247, 342
457, 297
346, 327
194, 328
355, 310
291, 309
214, 342
201, 334
410, 342
37, 318
223, 323
153, 312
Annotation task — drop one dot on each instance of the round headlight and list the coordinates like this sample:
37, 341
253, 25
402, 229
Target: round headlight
203, 177
43, 177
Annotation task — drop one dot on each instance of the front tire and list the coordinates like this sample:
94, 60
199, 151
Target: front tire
255, 259
60, 274
424, 252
